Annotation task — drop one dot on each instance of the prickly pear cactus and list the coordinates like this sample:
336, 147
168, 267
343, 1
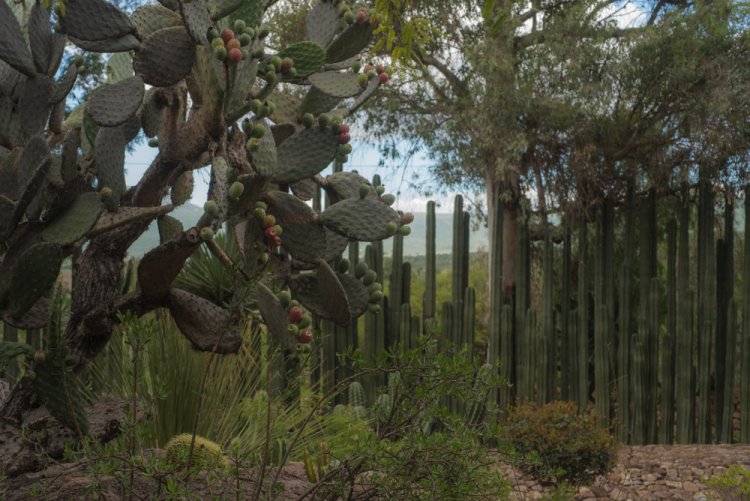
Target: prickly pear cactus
198, 79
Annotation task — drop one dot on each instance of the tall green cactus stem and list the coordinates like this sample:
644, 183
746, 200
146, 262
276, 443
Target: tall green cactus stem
548, 331
724, 295
625, 333
639, 428
353, 329
666, 426
497, 310
566, 344
468, 328
707, 306
582, 339
506, 356
430, 298
601, 323
647, 270
652, 350
684, 384
522, 342
396, 288
727, 428
745, 344
405, 333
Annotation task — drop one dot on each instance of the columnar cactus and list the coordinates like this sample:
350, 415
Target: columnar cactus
196, 78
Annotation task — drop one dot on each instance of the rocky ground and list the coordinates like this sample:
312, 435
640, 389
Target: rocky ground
642, 473
650, 472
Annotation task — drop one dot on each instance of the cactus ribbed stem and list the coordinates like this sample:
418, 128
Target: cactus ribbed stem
548, 331
582, 345
506, 355
684, 384
724, 296
707, 307
405, 326
726, 436
666, 425
566, 345
496, 354
396, 288
625, 331
470, 299
522, 342
745, 353
430, 301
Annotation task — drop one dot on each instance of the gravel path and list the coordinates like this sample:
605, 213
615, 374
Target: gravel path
650, 472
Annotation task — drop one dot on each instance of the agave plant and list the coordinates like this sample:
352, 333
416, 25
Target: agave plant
196, 78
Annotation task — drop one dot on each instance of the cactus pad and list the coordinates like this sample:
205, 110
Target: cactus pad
286, 107
342, 185
110, 163
33, 104
166, 58
243, 83
306, 153
302, 238
76, 221
265, 160
127, 215
37, 317
305, 189
350, 42
207, 326
197, 19
251, 12
365, 220
9, 350
282, 132
334, 298
335, 245
95, 20
274, 316
170, 228
323, 23
308, 57
153, 17
356, 292
316, 102
13, 49
336, 84
182, 189
161, 265
122, 44
40, 38
372, 86
7, 220
63, 86
34, 274
111, 105
119, 67
60, 390
223, 8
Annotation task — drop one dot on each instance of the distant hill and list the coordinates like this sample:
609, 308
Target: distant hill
414, 244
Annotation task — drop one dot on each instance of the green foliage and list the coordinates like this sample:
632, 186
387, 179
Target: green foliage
732, 485
206, 455
555, 442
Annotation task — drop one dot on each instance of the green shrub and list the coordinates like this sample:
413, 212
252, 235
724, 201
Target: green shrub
733, 485
556, 443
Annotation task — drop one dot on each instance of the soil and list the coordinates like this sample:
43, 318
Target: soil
650, 472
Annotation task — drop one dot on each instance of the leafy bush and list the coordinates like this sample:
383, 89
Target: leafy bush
733, 485
557, 443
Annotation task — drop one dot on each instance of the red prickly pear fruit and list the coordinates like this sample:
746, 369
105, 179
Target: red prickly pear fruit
287, 64
344, 128
344, 138
361, 16
383, 78
233, 44
379, 69
295, 314
276, 241
305, 337
269, 221
270, 232
367, 68
227, 35
407, 218
234, 55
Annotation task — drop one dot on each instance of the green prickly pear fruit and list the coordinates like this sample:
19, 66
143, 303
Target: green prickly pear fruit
377, 286
286, 65
212, 33
278, 229
275, 61
389, 199
349, 17
239, 26
391, 228
305, 322
360, 269
263, 31
211, 208
255, 105
261, 205
308, 120
252, 144
343, 265
259, 213
369, 277
356, 66
217, 42
258, 131
250, 32
269, 220
380, 189
364, 190
404, 230
236, 190
284, 298
324, 120
207, 233
373, 308
263, 258
220, 53
293, 329
270, 78
345, 149
376, 297
371, 74
362, 80
245, 40
153, 142
344, 8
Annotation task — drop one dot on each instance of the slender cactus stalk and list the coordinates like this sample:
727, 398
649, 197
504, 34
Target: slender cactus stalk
582, 346
684, 384
548, 332
727, 427
668, 343
566, 344
745, 364
430, 301
498, 315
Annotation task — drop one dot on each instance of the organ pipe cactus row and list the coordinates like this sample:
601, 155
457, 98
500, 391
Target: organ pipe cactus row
198, 79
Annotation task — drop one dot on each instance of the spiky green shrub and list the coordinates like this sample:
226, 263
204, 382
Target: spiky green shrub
206, 455
732, 485
555, 442
198, 80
